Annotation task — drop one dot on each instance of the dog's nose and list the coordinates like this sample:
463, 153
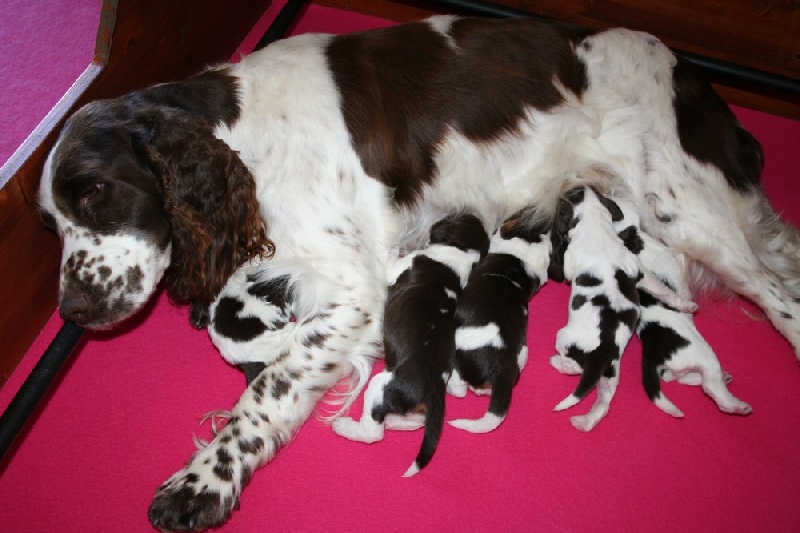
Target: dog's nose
74, 307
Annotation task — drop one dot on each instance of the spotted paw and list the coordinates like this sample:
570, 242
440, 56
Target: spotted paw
184, 504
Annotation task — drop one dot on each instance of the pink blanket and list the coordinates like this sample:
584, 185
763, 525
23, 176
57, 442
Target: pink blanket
121, 418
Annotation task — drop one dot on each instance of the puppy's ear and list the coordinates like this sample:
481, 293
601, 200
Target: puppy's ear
526, 225
507, 228
613, 208
559, 238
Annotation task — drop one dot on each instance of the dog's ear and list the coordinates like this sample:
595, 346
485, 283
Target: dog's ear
612, 207
210, 199
559, 238
507, 228
526, 225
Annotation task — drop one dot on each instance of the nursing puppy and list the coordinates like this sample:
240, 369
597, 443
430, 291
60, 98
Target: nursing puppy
604, 303
250, 321
672, 348
492, 319
419, 335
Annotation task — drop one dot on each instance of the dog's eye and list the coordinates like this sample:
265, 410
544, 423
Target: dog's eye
91, 193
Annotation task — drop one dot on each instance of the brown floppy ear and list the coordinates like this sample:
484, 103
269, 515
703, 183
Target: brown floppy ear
210, 199
559, 238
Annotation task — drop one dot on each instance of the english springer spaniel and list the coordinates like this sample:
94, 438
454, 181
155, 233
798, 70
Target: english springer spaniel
418, 335
672, 348
347, 148
492, 319
603, 304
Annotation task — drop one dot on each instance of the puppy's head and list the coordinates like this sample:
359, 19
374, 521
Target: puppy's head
463, 231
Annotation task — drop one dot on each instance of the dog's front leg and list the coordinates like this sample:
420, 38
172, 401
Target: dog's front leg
320, 350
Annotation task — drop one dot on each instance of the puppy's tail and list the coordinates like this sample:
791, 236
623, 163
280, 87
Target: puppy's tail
652, 387
498, 408
434, 420
654, 351
593, 370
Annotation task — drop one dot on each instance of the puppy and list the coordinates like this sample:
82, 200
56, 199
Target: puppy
250, 321
492, 319
604, 303
419, 335
672, 348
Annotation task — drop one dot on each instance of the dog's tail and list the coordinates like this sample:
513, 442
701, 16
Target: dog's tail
434, 421
652, 387
595, 366
658, 345
498, 408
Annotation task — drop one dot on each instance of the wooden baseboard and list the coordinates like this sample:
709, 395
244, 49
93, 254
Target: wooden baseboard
153, 41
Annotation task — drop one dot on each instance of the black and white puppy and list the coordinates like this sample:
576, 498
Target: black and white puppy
419, 335
492, 319
672, 348
604, 303
250, 321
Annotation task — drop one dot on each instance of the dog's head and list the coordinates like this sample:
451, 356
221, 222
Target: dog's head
462, 230
136, 189
563, 221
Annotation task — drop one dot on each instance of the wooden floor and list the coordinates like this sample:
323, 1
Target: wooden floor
760, 34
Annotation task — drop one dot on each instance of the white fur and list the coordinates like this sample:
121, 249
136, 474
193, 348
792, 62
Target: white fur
471, 338
337, 229
594, 248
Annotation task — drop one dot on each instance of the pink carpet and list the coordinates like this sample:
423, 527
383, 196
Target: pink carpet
121, 419
44, 46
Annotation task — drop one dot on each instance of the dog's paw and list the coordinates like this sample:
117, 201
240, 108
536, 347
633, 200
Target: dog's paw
584, 423
565, 365
366, 431
735, 406
409, 422
456, 386
183, 504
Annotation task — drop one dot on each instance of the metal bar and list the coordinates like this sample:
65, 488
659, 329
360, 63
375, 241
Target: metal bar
280, 26
716, 68
36, 384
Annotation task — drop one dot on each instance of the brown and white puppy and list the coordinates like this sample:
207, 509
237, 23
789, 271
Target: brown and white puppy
418, 332
492, 319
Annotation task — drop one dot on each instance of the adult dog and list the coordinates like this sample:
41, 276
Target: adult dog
347, 148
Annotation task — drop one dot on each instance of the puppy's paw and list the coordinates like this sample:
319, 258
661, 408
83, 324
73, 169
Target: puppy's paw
409, 422
456, 386
735, 407
351, 429
565, 365
584, 423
